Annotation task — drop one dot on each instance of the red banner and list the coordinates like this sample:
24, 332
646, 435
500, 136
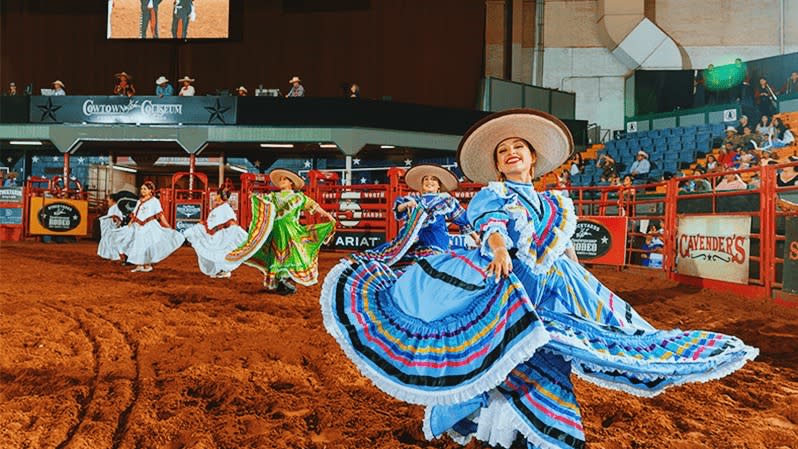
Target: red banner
601, 240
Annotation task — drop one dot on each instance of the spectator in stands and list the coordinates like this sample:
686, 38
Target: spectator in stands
788, 177
614, 181
123, 85
782, 135
749, 140
242, 91
763, 128
765, 97
791, 86
608, 167
712, 162
652, 255
744, 159
58, 88
10, 180
354, 91
766, 158
743, 123
627, 194
297, 89
731, 136
163, 88
731, 181
697, 185
641, 166
564, 180
12, 89
187, 90
727, 155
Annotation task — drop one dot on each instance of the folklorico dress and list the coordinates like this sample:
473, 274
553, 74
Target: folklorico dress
277, 244
150, 242
113, 235
491, 359
214, 238
425, 231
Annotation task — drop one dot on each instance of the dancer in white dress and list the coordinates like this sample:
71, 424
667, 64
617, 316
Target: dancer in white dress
114, 235
214, 238
152, 238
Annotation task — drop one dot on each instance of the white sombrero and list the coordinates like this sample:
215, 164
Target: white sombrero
161, 79
415, 176
186, 78
278, 173
548, 135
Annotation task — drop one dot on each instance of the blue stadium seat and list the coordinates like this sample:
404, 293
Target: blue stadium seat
690, 130
671, 166
677, 131
718, 129
687, 156
654, 133
671, 156
646, 143
632, 143
675, 146
660, 147
688, 138
674, 139
610, 144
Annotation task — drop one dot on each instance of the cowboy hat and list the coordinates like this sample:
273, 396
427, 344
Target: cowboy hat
278, 173
58, 82
161, 79
121, 74
186, 78
548, 135
294, 80
242, 89
642, 153
731, 129
415, 176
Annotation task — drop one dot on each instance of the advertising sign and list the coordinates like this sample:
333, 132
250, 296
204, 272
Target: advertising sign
357, 241
187, 215
601, 240
11, 195
714, 247
55, 216
790, 274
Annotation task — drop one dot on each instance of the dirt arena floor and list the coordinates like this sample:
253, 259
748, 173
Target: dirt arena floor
212, 19
93, 356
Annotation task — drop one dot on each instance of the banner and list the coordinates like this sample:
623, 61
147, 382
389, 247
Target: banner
187, 215
600, 240
714, 247
356, 241
11, 205
55, 216
134, 110
790, 273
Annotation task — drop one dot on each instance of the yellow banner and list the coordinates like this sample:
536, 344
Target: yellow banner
55, 216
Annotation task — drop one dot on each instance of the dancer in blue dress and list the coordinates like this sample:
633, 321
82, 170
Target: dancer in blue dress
487, 339
425, 214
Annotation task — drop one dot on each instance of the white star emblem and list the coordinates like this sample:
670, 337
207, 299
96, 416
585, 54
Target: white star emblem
55, 158
605, 240
307, 164
363, 180
35, 159
81, 160
356, 161
408, 161
74, 217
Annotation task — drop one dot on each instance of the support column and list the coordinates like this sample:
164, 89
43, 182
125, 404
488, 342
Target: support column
66, 172
192, 162
527, 53
516, 73
109, 175
348, 171
494, 38
221, 169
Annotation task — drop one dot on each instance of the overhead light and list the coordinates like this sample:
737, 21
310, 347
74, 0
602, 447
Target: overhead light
236, 168
328, 145
25, 142
127, 169
277, 145
387, 147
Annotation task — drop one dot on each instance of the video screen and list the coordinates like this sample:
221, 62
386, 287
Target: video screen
168, 19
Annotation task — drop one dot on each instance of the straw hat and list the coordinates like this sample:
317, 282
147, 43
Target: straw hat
278, 173
161, 79
59, 83
731, 129
548, 135
415, 176
642, 153
186, 78
121, 74
242, 89
294, 80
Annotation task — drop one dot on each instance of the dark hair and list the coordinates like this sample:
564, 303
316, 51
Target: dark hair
223, 193
496, 148
149, 184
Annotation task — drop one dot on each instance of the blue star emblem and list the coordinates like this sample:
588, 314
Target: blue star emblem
217, 112
49, 109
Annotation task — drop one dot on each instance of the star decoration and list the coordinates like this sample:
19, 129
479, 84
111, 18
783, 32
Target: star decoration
55, 158
307, 164
217, 112
363, 180
257, 163
81, 160
408, 162
48, 110
75, 217
34, 159
605, 240
355, 161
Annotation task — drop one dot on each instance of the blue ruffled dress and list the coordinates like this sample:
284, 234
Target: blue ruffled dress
492, 359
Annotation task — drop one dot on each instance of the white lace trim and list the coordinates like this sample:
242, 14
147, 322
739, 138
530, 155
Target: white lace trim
492, 228
525, 349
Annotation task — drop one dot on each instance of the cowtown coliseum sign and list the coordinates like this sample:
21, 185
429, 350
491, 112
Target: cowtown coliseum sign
134, 110
714, 247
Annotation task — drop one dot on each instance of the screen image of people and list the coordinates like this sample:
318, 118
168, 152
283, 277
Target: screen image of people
168, 19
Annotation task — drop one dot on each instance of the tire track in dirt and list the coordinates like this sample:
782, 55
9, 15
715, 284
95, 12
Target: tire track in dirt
123, 426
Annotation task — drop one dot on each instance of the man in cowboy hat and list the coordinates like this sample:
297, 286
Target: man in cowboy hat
123, 85
297, 90
58, 88
641, 166
187, 90
163, 89
731, 136
242, 91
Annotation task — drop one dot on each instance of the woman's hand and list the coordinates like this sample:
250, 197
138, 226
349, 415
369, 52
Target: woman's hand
410, 204
475, 237
501, 265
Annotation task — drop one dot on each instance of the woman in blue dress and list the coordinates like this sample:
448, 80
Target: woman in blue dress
487, 339
425, 214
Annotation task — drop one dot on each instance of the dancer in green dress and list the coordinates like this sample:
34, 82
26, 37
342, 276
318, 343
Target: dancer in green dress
277, 244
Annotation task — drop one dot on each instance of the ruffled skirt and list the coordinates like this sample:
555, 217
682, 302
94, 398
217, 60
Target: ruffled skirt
212, 249
113, 240
152, 243
493, 359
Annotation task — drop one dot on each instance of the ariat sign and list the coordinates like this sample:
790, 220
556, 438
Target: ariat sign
714, 247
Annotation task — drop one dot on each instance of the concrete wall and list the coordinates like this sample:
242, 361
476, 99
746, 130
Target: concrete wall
707, 31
